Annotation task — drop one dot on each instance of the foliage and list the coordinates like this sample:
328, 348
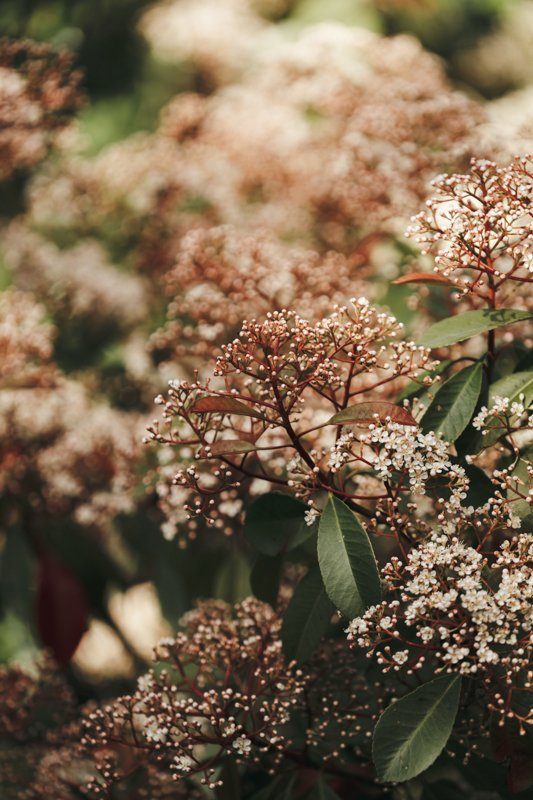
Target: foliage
325, 535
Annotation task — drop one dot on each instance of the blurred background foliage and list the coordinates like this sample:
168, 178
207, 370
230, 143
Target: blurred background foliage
127, 87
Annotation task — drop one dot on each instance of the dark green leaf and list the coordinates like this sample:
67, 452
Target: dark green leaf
347, 560
279, 788
471, 323
413, 731
322, 791
275, 522
307, 617
265, 577
233, 579
17, 576
453, 405
481, 488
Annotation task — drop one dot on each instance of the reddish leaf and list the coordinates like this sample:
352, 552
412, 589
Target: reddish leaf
422, 277
230, 447
62, 607
365, 413
224, 405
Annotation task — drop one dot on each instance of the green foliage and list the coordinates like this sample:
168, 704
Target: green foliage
454, 404
307, 617
275, 523
470, 323
346, 559
412, 732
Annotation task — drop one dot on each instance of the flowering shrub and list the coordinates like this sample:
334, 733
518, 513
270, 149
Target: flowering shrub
410, 518
332, 506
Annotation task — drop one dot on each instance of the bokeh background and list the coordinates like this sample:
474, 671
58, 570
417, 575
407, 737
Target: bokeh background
87, 570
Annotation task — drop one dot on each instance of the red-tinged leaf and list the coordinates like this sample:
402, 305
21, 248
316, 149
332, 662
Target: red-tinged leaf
226, 447
62, 607
423, 277
365, 413
224, 405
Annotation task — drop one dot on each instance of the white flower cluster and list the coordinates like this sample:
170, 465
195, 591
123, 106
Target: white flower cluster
473, 615
405, 448
502, 408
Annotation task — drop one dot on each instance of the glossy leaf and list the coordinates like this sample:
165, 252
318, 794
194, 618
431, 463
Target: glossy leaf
365, 413
453, 405
276, 522
224, 405
307, 617
412, 732
265, 578
471, 323
347, 560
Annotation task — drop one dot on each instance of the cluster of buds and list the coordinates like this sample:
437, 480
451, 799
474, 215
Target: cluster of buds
478, 228
222, 689
273, 412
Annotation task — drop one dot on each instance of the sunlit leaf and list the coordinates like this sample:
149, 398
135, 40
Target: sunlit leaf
471, 323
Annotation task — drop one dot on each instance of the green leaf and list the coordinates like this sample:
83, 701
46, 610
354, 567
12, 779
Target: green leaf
233, 579
279, 788
453, 405
471, 323
365, 413
322, 791
481, 488
522, 508
512, 386
347, 560
307, 617
275, 522
265, 577
413, 731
